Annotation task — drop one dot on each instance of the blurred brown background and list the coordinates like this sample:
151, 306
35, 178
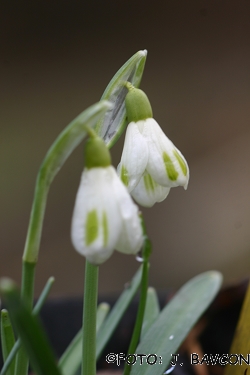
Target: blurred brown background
56, 59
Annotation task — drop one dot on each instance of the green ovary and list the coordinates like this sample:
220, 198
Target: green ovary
91, 227
124, 176
105, 228
181, 162
149, 182
170, 169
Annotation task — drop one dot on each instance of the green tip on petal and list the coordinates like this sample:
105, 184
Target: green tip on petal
91, 227
124, 176
149, 183
137, 104
170, 169
96, 153
105, 228
181, 162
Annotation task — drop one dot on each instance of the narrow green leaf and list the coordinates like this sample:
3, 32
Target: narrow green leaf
11, 357
113, 124
102, 312
116, 313
36, 311
43, 296
164, 337
60, 150
152, 310
70, 361
7, 339
30, 331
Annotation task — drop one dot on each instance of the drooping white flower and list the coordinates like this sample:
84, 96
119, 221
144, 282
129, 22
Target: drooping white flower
105, 218
150, 163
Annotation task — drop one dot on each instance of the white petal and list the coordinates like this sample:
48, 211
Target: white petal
131, 237
166, 164
96, 210
134, 157
148, 192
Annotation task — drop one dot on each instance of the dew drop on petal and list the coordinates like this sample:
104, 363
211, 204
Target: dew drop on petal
171, 337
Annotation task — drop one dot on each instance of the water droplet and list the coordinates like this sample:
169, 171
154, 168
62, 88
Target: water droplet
139, 257
169, 370
171, 337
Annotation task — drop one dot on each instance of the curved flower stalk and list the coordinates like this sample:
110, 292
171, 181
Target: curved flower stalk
150, 163
105, 217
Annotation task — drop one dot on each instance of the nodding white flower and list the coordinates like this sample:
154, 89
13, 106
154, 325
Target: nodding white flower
105, 218
150, 163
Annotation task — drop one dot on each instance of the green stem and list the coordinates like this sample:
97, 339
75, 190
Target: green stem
89, 319
27, 293
27, 288
147, 249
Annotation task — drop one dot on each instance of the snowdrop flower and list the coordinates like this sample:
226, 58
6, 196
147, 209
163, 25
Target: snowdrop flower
105, 218
150, 163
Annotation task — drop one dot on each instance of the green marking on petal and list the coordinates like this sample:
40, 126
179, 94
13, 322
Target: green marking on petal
91, 227
171, 171
149, 182
182, 162
105, 229
124, 176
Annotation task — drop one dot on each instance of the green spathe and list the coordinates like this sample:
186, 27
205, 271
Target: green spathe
96, 153
137, 104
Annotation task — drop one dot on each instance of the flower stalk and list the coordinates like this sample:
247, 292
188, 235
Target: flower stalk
146, 252
89, 319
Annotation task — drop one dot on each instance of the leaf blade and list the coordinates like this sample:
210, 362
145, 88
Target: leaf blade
33, 337
176, 319
152, 310
7, 339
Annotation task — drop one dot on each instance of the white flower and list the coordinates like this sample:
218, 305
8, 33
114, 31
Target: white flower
150, 159
105, 217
